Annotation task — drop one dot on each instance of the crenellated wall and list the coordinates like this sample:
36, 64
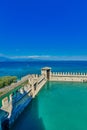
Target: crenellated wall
67, 76
30, 85
15, 103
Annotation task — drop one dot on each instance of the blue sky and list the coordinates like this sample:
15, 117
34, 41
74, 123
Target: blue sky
43, 28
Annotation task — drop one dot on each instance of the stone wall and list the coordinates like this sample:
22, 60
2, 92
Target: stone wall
20, 99
17, 101
73, 77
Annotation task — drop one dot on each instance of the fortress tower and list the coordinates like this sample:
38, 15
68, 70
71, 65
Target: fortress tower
47, 72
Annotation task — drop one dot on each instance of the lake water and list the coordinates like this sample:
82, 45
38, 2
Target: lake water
59, 105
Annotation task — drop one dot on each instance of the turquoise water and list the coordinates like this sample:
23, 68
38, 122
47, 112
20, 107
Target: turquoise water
58, 106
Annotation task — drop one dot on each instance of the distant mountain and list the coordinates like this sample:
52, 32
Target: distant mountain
4, 59
26, 59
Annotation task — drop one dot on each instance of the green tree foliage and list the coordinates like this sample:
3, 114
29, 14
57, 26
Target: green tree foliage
7, 80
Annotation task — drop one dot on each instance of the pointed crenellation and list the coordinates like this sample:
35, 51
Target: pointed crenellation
30, 85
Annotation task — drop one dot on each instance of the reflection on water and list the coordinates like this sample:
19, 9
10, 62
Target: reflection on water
29, 119
58, 106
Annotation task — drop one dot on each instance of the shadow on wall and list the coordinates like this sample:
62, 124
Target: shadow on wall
29, 119
3, 120
16, 100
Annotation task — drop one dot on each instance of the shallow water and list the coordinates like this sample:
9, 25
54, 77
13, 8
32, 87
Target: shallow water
58, 106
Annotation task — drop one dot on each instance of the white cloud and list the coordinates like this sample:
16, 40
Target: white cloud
27, 57
47, 57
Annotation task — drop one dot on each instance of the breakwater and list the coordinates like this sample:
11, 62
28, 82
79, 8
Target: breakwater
16, 101
30, 85
73, 77
64, 76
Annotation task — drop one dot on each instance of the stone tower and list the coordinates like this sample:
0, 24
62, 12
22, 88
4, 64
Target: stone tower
46, 71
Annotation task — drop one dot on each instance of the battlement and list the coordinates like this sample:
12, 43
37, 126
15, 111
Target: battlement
64, 76
68, 76
22, 92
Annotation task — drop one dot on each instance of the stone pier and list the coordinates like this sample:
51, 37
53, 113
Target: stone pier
16, 101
